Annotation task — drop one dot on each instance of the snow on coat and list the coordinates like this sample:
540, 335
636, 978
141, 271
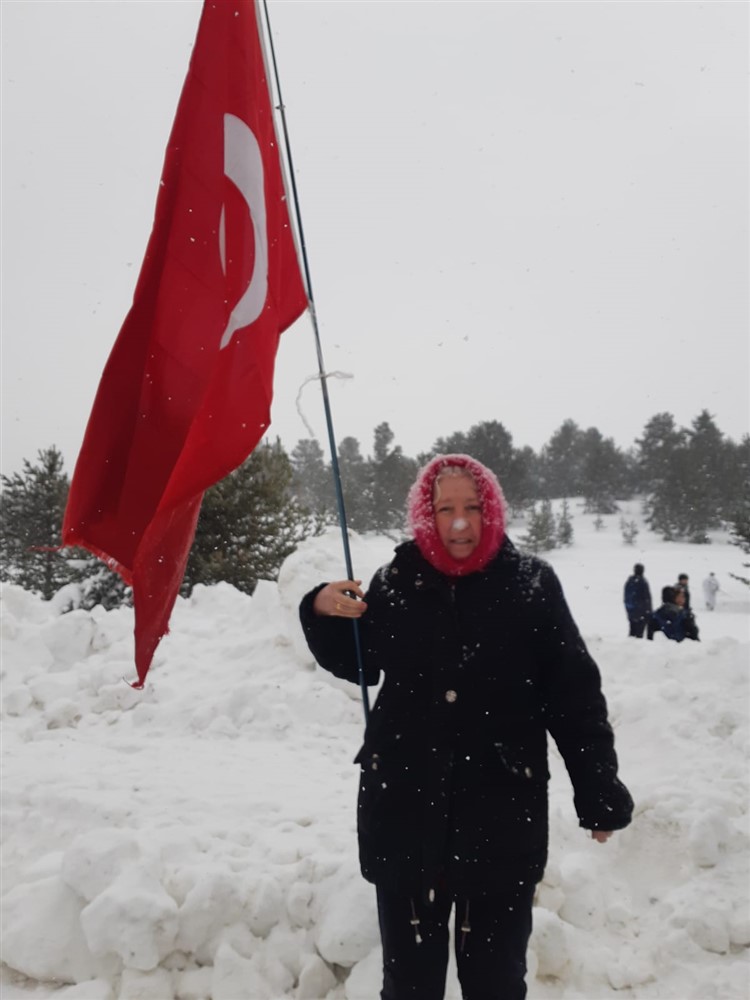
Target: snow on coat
477, 669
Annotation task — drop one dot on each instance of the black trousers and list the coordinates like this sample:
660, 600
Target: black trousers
637, 625
490, 955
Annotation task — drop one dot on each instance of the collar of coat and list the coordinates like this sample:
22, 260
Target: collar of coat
409, 569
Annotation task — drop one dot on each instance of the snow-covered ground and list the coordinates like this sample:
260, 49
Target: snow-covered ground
197, 840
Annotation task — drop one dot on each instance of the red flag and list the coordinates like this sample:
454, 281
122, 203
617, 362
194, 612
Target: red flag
186, 393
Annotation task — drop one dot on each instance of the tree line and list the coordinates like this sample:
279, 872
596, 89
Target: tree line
692, 480
249, 523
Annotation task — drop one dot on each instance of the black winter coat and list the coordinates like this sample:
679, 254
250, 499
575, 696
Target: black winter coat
477, 669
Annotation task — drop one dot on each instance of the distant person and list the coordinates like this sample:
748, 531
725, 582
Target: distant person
672, 618
682, 584
710, 589
637, 599
683, 588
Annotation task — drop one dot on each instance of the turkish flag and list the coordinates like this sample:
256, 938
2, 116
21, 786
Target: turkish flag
186, 393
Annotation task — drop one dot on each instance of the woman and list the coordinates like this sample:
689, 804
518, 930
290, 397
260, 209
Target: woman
481, 658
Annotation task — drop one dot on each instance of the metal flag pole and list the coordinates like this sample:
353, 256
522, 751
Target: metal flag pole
321, 367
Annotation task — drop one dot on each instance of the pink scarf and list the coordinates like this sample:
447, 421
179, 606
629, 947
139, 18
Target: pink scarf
422, 516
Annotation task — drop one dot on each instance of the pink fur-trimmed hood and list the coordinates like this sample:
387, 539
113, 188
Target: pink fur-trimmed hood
422, 517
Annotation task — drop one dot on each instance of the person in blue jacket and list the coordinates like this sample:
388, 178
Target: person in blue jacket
637, 599
673, 618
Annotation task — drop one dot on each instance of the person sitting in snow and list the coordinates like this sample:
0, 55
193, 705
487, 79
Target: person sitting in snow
673, 618
481, 659
710, 589
637, 598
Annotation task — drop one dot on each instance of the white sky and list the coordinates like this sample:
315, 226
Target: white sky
514, 211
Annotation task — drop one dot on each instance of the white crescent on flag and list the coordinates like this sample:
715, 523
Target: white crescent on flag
243, 165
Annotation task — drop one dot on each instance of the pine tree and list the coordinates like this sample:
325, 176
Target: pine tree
631, 473
561, 462
492, 445
737, 476
33, 505
661, 438
663, 465
249, 523
356, 484
564, 534
687, 474
312, 481
99, 585
703, 488
629, 531
392, 475
603, 473
524, 478
542, 534
740, 531
455, 444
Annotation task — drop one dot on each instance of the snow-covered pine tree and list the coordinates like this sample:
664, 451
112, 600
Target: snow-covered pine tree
740, 532
629, 531
33, 504
564, 533
97, 585
249, 523
541, 535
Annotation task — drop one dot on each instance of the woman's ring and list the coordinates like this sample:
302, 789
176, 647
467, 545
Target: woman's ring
338, 606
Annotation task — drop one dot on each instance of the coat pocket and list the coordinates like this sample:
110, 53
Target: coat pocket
499, 807
519, 765
389, 793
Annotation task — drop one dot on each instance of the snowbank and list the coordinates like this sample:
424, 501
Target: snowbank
197, 840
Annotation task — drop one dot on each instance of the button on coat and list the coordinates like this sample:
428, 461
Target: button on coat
477, 670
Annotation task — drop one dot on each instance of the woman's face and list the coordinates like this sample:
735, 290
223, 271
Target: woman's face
458, 514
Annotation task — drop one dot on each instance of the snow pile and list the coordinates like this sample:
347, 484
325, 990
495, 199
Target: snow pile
197, 840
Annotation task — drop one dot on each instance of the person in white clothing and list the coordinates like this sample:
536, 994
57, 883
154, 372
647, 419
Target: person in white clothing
710, 589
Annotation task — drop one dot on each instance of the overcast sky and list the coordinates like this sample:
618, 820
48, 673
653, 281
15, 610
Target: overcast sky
514, 211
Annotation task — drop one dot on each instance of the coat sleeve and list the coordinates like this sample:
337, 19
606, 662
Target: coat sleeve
575, 712
332, 640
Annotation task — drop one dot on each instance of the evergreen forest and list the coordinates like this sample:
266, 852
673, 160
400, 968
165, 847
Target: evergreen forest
691, 481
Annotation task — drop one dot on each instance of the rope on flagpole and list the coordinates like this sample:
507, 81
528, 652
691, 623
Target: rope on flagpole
314, 378
323, 376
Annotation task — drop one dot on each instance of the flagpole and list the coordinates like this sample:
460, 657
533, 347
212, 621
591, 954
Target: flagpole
321, 367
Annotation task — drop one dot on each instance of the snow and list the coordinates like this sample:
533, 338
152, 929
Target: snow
196, 840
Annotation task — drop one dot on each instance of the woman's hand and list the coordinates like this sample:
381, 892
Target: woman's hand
601, 836
342, 599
